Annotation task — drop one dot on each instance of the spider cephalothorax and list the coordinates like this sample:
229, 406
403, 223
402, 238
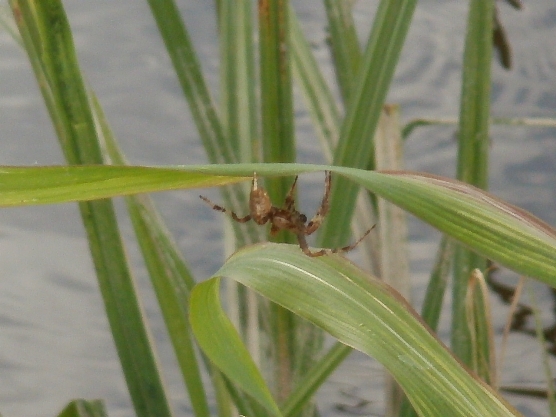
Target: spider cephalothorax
262, 211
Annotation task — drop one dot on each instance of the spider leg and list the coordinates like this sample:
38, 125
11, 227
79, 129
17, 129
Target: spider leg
316, 221
353, 245
305, 248
224, 210
307, 251
290, 198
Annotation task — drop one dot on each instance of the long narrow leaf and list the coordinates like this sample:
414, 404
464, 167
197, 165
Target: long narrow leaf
344, 44
217, 144
434, 297
276, 90
320, 101
325, 111
238, 81
84, 408
278, 145
188, 69
171, 279
493, 228
355, 147
224, 347
360, 311
48, 40
314, 378
473, 153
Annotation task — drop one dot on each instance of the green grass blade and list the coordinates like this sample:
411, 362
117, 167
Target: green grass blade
318, 97
172, 283
220, 148
514, 236
434, 297
324, 109
224, 405
48, 40
491, 227
278, 145
474, 143
124, 311
46, 185
245, 405
84, 408
239, 101
170, 277
474, 120
188, 69
313, 380
360, 311
49, 45
436, 288
224, 347
355, 147
238, 79
276, 90
344, 44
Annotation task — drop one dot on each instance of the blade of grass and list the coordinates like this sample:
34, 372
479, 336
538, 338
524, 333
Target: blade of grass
355, 147
318, 97
224, 405
47, 37
84, 408
278, 145
480, 323
172, 283
46, 185
356, 308
313, 379
218, 145
504, 233
170, 276
229, 341
344, 44
432, 305
246, 406
276, 91
473, 147
238, 80
327, 120
188, 69
239, 115
436, 288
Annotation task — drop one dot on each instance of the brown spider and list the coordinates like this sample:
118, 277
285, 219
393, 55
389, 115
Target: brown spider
262, 211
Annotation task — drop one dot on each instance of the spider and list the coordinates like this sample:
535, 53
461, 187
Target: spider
262, 211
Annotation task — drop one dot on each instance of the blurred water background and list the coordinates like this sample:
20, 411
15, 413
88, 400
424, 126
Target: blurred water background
54, 338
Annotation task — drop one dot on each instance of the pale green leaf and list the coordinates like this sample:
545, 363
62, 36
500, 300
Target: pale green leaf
359, 310
495, 229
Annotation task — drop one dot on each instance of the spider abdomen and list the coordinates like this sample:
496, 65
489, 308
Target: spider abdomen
260, 205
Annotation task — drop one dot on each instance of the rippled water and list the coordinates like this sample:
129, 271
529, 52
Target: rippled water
54, 339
